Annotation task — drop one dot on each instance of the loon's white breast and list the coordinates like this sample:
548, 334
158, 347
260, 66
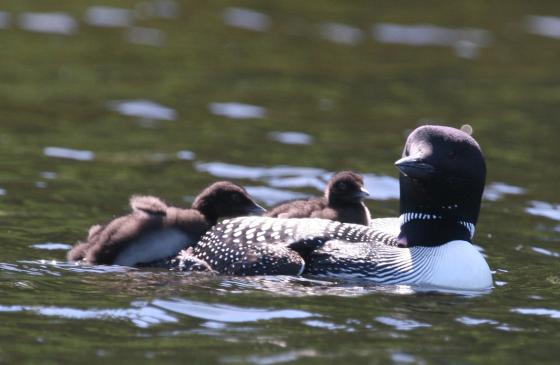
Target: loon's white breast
454, 265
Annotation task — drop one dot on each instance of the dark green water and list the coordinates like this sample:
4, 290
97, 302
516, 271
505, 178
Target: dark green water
355, 100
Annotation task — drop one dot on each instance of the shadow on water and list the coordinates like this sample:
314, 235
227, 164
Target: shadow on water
102, 100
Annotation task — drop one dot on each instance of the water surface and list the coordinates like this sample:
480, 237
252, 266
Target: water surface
101, 100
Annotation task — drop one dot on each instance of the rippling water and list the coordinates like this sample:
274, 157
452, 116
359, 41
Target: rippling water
162, 97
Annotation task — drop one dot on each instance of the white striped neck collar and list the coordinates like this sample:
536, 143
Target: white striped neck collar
432, 229
407, 217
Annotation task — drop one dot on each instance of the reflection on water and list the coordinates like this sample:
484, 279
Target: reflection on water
470, 321
544, 209
280, 358
466, 41
186, 155
69, 153
157, 9
49, 175
551, 313
317, 182
402, 324
52, 246
106, 16
328, 325
341, 33
271, 196
146, 314
318, 91
548, 26
57, 23
142, 317
230, 171
379, 187
146, 36
145, 109
545, 252
237, 110
291, 137
226, 313
5, 19
404, 358
246, 19
498, 190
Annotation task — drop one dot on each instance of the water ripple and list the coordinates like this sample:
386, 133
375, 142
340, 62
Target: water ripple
246, 19
142, 317
342, 33
5, 19
547, 26
52, 246
146, 36
545, 252
470, 321
55, 23
72, 154
544, 209
186, 155
237, 110
157, 9
551, 313
402, 324
279, 358
106, 16
327, 325
142, 108
226, 313
271, 196
291, 137
466, 41
380, 187
497, 190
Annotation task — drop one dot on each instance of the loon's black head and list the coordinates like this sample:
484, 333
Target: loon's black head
226, 199
346, 187
442, 175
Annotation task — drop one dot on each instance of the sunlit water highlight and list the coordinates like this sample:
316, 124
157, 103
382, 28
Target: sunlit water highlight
101, 101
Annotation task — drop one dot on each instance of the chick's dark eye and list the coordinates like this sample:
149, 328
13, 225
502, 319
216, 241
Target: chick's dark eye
342, 186
452, 155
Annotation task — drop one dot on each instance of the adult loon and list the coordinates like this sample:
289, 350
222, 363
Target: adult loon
343, 202
155, 231
442, 175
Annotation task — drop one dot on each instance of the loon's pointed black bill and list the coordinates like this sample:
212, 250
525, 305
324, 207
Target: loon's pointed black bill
415, 167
